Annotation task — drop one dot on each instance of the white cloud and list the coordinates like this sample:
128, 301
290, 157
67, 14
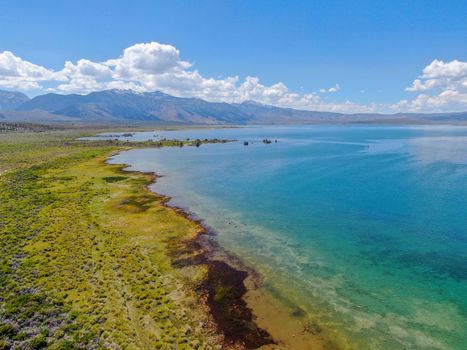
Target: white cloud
442, 87
331, 90
154, 66
16, 73
148, 58
443, 75
440, 69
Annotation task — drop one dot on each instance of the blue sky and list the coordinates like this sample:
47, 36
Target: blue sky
373, 50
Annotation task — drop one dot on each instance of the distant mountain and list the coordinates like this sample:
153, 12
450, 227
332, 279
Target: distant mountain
157, 107
11, 99
124, 106
266, 114
113, 105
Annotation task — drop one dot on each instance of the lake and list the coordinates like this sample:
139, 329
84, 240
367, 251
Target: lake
362, 227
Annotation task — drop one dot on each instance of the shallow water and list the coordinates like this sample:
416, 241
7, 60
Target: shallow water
362, 227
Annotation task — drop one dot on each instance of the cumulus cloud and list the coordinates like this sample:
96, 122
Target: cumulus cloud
331, 90
147, 58
441, 86
153, 66
445, 75
16, 73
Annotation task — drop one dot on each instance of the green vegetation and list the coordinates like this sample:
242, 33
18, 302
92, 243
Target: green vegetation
84, 259
220, 293
114, 178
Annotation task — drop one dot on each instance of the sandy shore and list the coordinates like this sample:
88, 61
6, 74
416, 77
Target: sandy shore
249, 317
288, 331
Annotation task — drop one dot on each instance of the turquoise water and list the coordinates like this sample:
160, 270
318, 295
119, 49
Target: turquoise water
362, 227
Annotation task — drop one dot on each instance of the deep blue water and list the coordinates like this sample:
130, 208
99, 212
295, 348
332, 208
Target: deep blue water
363, 227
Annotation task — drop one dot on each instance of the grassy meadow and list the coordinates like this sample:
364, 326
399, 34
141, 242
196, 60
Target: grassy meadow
85, 256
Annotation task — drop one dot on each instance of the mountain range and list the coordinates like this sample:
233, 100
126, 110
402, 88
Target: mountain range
11, 99
126, 106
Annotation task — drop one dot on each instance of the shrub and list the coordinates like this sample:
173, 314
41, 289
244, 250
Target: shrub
114, 178
38, 342
7, 330
66, 345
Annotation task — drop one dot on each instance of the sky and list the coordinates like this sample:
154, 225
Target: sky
347, 56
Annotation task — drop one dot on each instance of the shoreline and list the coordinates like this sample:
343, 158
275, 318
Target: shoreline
247, 316
224, 287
